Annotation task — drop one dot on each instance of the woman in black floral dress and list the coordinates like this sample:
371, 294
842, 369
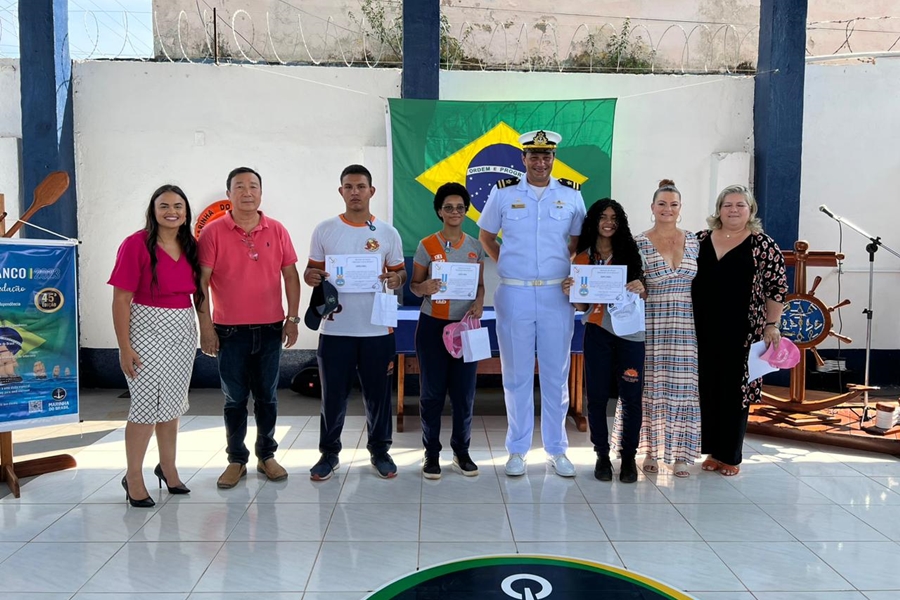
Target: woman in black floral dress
738, 299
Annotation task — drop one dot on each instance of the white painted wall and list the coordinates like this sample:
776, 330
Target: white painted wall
851, 163
138, 125
667, 126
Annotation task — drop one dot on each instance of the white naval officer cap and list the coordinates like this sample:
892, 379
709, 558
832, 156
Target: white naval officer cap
539, 141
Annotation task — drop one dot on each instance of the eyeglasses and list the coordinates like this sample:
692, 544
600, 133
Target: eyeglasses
449, 208
251, 247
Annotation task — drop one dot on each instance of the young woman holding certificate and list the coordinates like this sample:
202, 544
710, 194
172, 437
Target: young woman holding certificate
606, 240
441, 373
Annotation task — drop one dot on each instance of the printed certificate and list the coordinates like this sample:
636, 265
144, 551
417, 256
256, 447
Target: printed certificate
459, 281
354, 273
597, 284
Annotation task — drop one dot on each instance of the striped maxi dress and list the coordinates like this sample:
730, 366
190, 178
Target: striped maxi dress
671, 410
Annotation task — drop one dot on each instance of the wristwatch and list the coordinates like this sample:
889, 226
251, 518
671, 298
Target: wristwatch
294, 320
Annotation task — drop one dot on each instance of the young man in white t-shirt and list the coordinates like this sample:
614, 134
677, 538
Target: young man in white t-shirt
348, 342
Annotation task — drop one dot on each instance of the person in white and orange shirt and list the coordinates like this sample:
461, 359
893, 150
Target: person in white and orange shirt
439, 372
349, 344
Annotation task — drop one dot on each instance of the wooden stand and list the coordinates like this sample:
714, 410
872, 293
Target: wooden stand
808, 334
10, 471
801, 415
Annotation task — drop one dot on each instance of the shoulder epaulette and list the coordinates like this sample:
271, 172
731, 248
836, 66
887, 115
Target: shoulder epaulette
507, 182
571, 184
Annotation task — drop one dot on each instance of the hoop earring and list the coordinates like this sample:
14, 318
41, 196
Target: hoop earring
679, 219
652, 218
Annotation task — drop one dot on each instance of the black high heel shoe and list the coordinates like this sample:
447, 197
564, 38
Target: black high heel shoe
181, 489
145, 503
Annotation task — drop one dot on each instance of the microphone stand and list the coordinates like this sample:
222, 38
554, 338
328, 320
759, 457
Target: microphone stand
872, 247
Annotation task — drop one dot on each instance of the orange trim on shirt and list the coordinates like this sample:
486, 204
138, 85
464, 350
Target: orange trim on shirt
436, 249
455, 246
596, 316
363, 224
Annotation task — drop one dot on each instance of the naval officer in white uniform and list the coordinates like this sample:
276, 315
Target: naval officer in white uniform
540, 218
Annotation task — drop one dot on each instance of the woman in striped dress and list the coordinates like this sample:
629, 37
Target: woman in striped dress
671, 408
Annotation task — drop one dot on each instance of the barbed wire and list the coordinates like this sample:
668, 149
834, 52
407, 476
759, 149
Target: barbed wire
308, 38
849, 28
696, 47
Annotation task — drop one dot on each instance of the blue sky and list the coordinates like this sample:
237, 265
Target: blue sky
97, 28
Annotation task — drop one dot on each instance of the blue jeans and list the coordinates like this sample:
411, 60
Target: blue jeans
440, 374
607, 356
249, 357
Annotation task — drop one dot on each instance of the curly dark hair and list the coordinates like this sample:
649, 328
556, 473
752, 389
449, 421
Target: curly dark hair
625, 250
450, 189
185, 238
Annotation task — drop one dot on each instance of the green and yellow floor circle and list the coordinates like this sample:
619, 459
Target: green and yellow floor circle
526, 577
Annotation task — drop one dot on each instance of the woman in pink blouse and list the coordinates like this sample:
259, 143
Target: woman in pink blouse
155, 280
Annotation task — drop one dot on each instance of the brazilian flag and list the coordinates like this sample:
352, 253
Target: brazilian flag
477, 144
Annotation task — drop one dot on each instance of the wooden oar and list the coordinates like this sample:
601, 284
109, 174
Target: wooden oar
45, 194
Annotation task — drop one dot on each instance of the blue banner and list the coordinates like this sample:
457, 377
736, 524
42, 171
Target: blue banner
38, 334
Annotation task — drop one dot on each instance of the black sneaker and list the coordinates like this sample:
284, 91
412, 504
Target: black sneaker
464, 465
325, 468
384, 465
431, 467
603, 468
628, 472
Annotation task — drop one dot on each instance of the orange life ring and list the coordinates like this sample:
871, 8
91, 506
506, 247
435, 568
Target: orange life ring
209, 214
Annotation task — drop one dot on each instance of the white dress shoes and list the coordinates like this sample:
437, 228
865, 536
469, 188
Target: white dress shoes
515, 465
561, 464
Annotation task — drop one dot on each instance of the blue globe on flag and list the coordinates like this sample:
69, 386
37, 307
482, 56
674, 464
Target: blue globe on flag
490, 165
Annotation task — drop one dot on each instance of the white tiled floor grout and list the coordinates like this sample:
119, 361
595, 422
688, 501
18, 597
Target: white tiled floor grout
799, 518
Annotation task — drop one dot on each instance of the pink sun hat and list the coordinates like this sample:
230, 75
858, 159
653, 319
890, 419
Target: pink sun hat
784, 355
453, 335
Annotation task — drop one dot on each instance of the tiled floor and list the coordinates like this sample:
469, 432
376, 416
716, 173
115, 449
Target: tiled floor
799, 522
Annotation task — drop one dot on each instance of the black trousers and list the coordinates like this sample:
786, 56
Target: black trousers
439, 375
341, 360
723, 418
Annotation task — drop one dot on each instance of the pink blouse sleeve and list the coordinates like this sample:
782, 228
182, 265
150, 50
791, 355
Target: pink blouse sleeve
130, 261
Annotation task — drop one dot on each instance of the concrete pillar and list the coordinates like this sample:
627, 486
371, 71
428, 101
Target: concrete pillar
421, 49
47, 128
778, 116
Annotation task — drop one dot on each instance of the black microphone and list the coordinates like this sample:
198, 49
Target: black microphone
825, 210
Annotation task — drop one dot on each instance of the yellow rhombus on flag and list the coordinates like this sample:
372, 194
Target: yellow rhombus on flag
456, 166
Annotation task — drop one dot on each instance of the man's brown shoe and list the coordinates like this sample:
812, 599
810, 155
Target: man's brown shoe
231, 476
272, 469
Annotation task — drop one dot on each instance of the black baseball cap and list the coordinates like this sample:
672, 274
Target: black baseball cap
323, 302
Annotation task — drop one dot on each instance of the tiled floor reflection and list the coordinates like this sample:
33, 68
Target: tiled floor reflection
800, 521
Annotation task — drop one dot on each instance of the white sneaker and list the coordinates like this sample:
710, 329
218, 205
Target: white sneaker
562, 465
515, 466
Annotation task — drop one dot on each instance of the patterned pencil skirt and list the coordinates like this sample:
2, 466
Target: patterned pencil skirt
165, 339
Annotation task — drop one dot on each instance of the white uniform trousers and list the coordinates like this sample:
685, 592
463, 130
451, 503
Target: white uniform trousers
529, 319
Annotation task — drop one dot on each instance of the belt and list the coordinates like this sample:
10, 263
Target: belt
531, 283
254, 326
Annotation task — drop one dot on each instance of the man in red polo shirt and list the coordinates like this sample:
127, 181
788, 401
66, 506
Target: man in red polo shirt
244, 256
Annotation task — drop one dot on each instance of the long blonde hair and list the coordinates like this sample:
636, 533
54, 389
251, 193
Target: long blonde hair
754, 224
